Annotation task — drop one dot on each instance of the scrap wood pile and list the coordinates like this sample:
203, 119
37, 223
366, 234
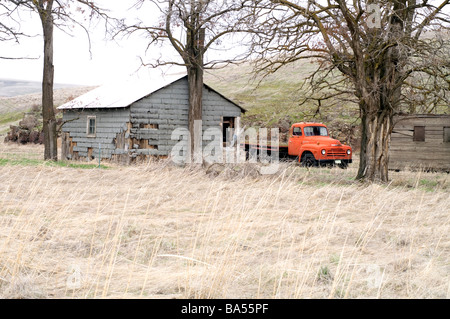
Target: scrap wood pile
29, 130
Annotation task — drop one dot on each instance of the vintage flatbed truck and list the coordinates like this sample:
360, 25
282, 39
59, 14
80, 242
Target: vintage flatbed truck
309, 144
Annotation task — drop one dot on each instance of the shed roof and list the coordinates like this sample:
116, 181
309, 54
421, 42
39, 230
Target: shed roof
120, 95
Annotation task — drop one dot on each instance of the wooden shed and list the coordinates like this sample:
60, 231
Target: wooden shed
136, 120
420, 141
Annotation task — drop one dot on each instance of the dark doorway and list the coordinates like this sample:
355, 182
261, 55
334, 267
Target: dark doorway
228, 126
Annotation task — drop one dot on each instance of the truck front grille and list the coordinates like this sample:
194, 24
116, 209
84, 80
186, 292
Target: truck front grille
336, 152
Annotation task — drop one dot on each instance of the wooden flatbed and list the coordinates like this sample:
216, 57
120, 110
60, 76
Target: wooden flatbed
267, 149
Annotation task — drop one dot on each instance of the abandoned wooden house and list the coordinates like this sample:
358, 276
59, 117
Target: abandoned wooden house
128, 122
420, 142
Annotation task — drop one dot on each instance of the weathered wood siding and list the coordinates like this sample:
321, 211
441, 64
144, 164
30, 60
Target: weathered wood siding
433, 153
155, 117
145, 127
110, 123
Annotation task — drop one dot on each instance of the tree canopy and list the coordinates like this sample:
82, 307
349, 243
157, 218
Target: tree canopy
381, 50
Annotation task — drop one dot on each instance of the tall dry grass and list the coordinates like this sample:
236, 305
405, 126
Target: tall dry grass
160, 231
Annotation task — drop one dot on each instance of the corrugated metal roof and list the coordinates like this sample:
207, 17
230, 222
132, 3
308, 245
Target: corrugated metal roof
123, 94
118, 95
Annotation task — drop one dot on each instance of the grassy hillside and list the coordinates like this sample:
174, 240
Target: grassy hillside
269, 101
275, 101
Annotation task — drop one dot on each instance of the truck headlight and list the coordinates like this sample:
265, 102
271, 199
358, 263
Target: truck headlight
323, 152
348, 152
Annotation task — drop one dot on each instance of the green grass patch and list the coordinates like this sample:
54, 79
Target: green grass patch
428, 185
78, 165
35, 162
24, 162
6, 118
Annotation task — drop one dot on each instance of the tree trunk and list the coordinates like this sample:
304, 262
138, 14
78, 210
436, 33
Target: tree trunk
376, 128
48, 114
195, 85
195, 80
379, 90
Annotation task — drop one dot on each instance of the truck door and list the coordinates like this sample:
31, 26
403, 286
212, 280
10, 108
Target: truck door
295, 141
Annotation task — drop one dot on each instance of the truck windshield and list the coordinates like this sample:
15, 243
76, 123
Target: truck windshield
315, 130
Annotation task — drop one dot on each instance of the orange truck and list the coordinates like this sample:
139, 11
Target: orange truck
309, 144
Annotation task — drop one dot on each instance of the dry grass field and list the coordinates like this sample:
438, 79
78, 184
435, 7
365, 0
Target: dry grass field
156, 230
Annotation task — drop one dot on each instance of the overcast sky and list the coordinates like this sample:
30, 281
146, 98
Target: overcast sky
109, 60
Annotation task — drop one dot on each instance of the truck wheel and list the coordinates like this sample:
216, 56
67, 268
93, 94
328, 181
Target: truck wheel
309, 160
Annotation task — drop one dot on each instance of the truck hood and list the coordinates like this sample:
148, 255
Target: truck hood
322, 140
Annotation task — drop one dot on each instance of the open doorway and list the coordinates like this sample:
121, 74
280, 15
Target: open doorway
228, 129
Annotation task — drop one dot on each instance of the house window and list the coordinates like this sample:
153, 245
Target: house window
419, 134
446, 134
91, 126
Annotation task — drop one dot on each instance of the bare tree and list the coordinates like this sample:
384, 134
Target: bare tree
10, 28
9, 31
427, 89
372, 50
192, 27
52, 13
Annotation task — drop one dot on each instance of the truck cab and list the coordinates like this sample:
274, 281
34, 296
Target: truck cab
312, 146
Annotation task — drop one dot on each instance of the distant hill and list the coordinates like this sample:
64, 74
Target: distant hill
12, 108
10, 88
21, 103
278, 97
276, 101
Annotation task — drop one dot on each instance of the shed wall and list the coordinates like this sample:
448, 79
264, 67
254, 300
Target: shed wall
168, 109
144, 128
433, 152
109, 124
